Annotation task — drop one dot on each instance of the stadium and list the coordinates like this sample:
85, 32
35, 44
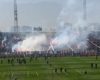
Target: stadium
49, 63
70, 52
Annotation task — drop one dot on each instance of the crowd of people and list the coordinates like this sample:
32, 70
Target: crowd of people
48, 54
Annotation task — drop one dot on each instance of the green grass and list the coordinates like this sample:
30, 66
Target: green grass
40, 70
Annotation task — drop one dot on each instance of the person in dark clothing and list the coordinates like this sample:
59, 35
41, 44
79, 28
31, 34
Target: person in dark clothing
61, 69
47, 62
24, 61
65, 70
85, 72
1, 61
16, 78
55, 69
50, 65
91, 65
96, 66
9, 61
31, 59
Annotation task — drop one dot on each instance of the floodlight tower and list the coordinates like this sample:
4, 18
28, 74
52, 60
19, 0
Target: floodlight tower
84, 10
16, 28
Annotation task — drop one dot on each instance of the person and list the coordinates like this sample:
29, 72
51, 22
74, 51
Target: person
96, 66
91, 65
47, 62
85, 72
20, 61
16, 78
8, 61
61, 69
24, 60
31, 59
50, 65
12, 62
1, 61
65, 70
55, 69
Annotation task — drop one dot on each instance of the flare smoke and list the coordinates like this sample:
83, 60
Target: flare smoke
72, 36
32, 43
72, 32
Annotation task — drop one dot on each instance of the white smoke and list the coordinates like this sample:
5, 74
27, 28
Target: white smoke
32, 43
72, 36
72, 31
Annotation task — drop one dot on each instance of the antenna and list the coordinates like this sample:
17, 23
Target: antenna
16, 29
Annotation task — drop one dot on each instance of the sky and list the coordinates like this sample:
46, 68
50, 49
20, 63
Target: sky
46, 13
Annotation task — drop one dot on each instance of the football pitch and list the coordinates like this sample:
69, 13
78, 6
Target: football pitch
53, 68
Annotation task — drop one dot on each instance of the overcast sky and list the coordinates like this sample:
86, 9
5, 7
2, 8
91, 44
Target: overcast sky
45, 12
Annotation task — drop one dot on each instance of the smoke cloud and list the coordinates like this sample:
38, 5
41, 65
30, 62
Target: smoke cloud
72, 31
32, 43
73, 34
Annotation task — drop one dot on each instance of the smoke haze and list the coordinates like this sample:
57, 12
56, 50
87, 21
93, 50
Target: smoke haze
32, 43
